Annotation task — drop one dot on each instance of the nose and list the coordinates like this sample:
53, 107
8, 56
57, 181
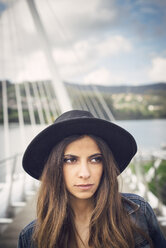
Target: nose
84, 171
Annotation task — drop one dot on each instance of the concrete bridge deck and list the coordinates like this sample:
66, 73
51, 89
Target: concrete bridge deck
9, 238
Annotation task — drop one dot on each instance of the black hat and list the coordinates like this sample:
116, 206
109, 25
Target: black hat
121, 142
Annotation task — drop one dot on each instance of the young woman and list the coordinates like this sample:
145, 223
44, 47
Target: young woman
78, 159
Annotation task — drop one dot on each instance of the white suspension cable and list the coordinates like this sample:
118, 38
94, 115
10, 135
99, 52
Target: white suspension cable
73, 93
6, 128
60, 90
19, 43
82, 99
51, 101
20, 116
38, 103
102, 101
2, 48
98, 107
30, 105
44, 102
87, 101
12, 59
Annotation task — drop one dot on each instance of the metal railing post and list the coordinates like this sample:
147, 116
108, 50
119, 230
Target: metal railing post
156, 164
9, 210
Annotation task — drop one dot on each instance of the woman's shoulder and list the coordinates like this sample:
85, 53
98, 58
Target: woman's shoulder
25, 237
133, 197
29, 228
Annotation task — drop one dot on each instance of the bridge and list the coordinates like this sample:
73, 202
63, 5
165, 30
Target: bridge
36, 104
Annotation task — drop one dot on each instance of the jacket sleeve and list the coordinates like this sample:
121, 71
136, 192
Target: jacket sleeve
154, 229
25, 241
20, 242
25, 237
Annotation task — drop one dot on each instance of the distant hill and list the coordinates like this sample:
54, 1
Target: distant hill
137, 89
125, 102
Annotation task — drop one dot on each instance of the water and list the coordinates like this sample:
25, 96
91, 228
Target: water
149, 134
18, 138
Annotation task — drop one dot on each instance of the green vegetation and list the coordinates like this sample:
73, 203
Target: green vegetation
137, 106
157, 183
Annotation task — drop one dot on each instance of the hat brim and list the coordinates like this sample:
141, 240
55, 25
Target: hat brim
121, 142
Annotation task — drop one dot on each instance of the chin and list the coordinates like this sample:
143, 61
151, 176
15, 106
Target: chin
84, 196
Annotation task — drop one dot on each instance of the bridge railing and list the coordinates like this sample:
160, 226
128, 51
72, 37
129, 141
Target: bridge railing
146, 176
15, 187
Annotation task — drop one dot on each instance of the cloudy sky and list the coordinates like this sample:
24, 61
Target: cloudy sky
109, 42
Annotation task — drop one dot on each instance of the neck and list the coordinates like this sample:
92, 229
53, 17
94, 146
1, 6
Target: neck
82, 208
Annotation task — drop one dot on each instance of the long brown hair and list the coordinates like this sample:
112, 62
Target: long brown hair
110, 225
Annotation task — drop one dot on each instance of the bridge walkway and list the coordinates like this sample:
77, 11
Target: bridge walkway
9, 238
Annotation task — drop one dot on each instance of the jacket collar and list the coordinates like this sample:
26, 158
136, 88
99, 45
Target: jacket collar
130, 205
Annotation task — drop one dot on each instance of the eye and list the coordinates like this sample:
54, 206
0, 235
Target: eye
97, 159
69, 160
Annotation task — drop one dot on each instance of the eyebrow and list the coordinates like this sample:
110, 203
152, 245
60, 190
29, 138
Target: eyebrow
96, 154
72, 155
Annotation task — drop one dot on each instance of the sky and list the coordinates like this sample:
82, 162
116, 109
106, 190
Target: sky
108, 42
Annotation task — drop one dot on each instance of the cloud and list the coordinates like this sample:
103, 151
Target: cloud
102, 76
86, 56
34, 68
81, 17
64, 56
157, 72
114, 45
92, 49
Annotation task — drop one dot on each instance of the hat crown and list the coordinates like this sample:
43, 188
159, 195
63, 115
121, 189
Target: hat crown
73, 114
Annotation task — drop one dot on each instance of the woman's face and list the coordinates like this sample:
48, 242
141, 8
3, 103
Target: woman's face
82, 168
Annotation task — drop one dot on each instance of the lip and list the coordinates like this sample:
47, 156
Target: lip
84, 186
